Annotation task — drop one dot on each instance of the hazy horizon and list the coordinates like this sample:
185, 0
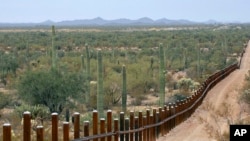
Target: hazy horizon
30, 11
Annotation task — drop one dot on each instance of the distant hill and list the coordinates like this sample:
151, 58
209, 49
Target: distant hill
102, 22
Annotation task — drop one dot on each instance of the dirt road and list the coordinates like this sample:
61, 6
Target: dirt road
220, 108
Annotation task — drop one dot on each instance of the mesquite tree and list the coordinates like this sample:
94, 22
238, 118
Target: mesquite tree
51, 88
162, 75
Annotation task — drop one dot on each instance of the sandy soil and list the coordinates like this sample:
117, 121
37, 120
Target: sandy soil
220, 108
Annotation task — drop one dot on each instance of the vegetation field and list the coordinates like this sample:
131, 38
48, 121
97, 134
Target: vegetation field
45, 71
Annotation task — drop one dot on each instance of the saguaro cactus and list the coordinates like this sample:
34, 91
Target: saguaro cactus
112, 59
199, 62
100, 84
161, 76
124, 89
151, 66
53, 50
82, 63
184, 58
67, 115
88, 74
83, 71
151, 62
27, 59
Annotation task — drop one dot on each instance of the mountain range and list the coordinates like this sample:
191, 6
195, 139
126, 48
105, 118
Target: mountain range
102, 22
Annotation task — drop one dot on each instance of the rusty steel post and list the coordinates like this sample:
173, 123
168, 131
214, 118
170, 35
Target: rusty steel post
151, 130
182, 108
131, 124
168, 123
148, 122
39, 133
160, 118
127, 129
176, 107
145, 136
165, 116
140, 125
26, 126
65, 131
172, 111
102, 128
116, 129
122, 128
185, 106
193, 100
76, 125
157, 120
109, 124
95, 124
153, 122
7, 132
54, 117
86, 128
136, 127
189, 105
162, 125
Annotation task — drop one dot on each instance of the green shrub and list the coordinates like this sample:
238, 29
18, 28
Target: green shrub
117, 68
187, 84
177, 97
36, 111
4, 100
246, 96
52, 89
136, 102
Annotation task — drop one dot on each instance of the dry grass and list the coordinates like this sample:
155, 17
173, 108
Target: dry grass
217, 121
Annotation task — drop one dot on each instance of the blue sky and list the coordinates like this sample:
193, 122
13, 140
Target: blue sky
58, 10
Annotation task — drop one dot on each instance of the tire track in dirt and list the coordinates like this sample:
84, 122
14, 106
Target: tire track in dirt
220, 108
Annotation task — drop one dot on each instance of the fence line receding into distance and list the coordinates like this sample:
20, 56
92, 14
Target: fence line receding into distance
138, 127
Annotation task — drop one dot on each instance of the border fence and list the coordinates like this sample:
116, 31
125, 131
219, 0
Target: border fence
138, 127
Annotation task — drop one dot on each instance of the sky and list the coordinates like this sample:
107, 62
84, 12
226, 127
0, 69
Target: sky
23, 11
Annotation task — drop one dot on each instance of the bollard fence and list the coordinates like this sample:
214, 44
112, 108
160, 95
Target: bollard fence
135, 128
54, 119
65, 131
39, 133
26, 126
6, 132
76, 125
